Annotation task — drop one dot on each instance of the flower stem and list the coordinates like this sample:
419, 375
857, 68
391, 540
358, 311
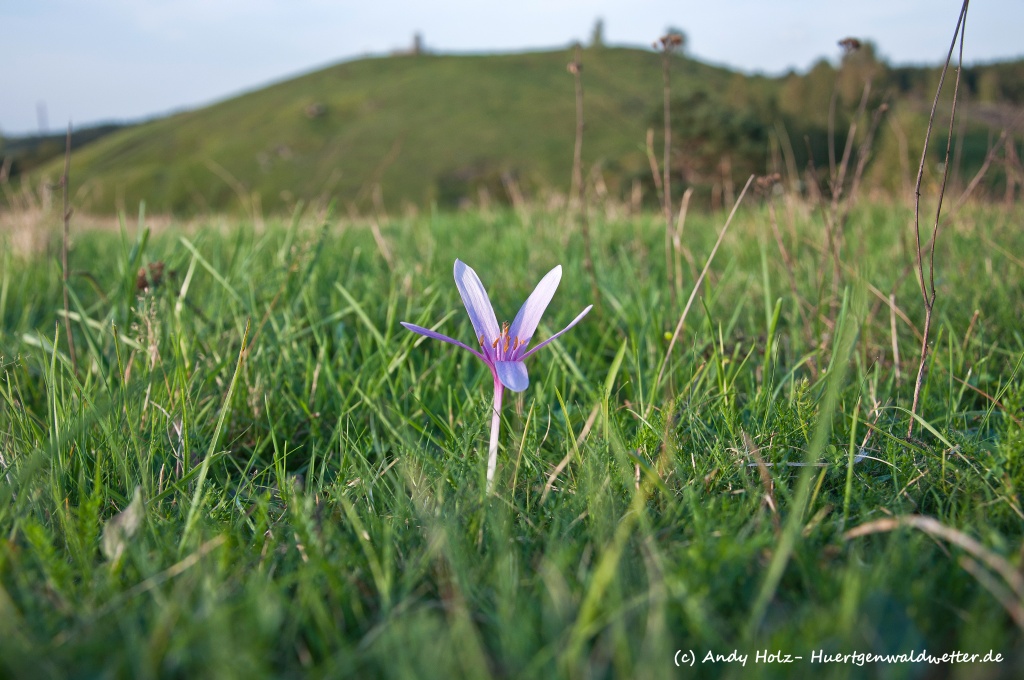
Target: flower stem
492, 452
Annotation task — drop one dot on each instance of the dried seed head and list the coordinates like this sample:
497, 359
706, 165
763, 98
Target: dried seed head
850, 45
766, 182
670, 41
149, 276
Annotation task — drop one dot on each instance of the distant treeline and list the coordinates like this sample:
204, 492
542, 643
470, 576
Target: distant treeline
798, 124
23, 154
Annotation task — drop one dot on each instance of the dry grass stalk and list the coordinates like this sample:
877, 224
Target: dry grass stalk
895, 340
677, 242
928, 285
382, 244
863, 153
842, 200
1014, 171
64, 248
652, 160
575, 67
766, 481
668, 46
789, 265
904, 153
1012, 598
578, 198
699, 281
973, 184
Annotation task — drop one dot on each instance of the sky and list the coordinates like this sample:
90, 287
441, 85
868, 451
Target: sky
125, 60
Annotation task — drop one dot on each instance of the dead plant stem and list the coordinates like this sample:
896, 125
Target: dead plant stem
64, 249
576, 69
928, 287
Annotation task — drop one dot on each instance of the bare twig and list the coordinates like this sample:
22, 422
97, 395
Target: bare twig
64, 249
928, 286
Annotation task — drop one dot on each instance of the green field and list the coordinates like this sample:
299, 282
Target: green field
310, 476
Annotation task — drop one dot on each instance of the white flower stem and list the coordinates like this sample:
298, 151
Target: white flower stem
492, 451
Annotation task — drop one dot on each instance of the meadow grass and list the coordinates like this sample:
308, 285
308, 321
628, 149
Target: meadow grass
309, 476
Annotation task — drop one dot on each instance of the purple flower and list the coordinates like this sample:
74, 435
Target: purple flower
503, 348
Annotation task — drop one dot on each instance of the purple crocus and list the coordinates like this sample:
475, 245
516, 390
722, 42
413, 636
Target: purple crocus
503, 348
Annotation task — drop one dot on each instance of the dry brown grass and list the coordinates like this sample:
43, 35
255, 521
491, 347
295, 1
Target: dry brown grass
36, 230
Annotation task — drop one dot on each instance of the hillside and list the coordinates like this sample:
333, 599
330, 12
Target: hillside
421, 129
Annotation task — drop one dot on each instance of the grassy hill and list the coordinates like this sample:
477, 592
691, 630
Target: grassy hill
422, 127
442, 128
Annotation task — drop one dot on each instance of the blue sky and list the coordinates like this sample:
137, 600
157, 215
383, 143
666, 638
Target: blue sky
97, 60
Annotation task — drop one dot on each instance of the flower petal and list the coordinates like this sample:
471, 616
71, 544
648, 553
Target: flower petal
478, 305
525, 323
443, 338
571, 324
512, 375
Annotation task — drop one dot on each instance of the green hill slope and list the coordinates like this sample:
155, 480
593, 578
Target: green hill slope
423, 128
418, 129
